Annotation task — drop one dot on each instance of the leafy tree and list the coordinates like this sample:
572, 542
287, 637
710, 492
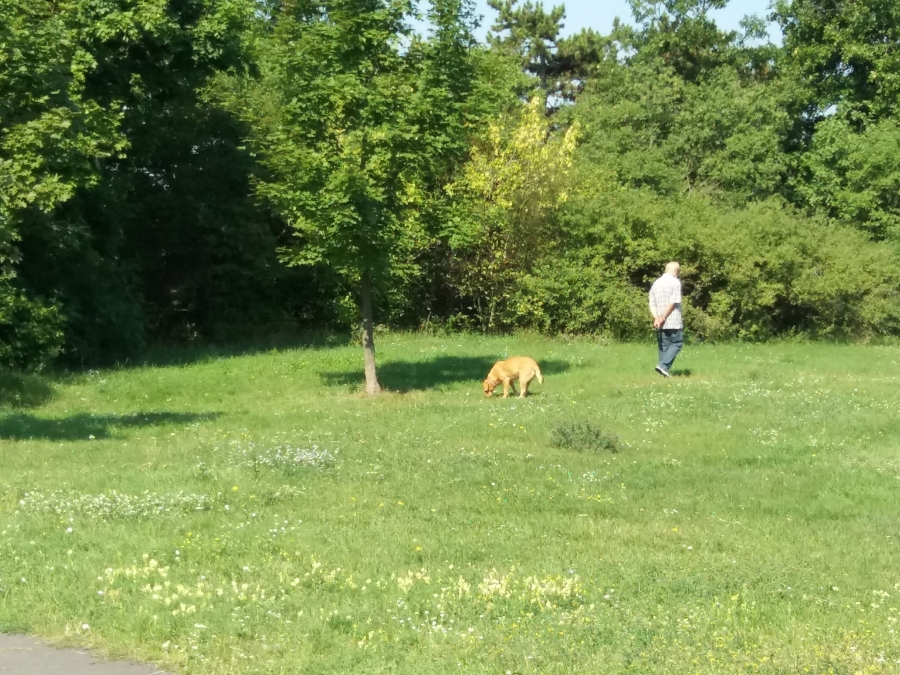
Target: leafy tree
682, 106
177, 212
531, 34
577, 58
843, 58
52, 136
52, 131
31, 332
852, 175
530, 31
845, 52
681, 35
354, 118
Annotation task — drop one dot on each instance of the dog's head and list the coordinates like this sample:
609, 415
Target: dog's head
489, 385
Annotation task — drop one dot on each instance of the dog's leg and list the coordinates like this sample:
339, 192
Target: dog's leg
523, 387
506, 384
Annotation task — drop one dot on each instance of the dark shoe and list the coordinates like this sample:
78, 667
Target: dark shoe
662, 371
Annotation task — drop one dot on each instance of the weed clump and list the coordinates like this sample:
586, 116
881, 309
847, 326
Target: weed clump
583, 436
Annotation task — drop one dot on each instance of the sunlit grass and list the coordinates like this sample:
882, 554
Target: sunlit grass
257, 514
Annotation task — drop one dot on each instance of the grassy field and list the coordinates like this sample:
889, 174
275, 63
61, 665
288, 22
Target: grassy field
256, 514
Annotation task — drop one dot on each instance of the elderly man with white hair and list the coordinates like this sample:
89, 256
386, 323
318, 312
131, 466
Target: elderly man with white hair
665, 306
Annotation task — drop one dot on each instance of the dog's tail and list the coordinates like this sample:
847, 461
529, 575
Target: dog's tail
537, 374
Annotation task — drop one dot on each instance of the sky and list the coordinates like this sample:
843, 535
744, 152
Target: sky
599, 14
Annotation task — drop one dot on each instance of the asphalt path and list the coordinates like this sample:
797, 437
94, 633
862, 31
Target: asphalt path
23, 655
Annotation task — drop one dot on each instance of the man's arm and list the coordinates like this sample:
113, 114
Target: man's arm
661, 319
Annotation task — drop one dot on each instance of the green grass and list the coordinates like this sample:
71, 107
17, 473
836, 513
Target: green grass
747, 524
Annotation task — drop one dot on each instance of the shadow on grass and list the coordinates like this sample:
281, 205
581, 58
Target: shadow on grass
84, 426
404, 376
179, 355
23, 390
682, 372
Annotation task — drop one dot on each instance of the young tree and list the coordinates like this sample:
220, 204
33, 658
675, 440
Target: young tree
504, 204
353, 118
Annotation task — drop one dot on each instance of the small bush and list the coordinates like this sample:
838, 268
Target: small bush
583, 436
31, 331
23, 390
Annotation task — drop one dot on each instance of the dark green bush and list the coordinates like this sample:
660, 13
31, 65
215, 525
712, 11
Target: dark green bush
31, 332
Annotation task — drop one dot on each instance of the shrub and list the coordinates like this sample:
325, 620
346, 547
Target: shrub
583, 436
31, 332
752, 273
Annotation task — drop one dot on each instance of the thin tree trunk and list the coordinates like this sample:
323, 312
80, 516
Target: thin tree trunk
372, 386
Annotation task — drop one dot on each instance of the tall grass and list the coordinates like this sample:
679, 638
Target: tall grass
256, 514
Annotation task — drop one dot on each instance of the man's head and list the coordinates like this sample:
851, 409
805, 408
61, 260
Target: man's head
673, 268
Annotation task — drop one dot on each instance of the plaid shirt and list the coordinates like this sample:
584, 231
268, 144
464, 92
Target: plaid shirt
667, 291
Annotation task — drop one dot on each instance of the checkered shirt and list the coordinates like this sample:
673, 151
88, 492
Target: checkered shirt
666, 291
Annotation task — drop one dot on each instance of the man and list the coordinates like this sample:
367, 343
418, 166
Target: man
665, 306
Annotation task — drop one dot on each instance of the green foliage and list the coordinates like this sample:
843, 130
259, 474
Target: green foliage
104, 134
852, 174
679, 34
530, 32
350, 125
30, 331
192, 251
844, 52
584, 436
53, 132
558, 66
52, 137
710, 119
356, 122
765, 271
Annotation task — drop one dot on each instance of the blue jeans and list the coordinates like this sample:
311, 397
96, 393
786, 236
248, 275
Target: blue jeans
670, 341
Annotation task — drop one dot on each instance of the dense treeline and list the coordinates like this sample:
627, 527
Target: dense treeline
220, 169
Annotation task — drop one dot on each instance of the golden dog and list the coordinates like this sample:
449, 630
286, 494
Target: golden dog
519, 367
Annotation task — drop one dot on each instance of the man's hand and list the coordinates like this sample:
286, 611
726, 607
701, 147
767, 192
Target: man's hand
660, 320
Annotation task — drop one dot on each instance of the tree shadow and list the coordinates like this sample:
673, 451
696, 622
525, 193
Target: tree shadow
86, 426
23, 390
162, 355
404, 376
